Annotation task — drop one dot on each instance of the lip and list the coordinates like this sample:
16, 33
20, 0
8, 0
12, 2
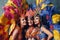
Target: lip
24, 22
30, 22
36, 23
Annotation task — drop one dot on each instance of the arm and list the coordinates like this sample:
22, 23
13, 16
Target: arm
50, 35
34, 32
15, 32
28, 33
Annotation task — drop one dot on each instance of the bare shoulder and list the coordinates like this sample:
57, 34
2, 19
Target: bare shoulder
43, 28
17, 28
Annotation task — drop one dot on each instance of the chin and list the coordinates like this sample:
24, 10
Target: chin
36, 23
29, 24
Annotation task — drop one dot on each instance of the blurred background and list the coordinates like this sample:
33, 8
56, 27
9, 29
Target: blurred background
55, 2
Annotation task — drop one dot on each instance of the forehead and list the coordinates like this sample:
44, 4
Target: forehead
22, 17
30, 18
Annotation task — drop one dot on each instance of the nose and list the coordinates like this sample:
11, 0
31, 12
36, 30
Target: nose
24, 20
29, 21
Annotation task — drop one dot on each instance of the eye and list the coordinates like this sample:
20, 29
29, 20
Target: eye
23, 19
37, 18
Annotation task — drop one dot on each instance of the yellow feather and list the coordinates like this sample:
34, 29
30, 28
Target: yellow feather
3, 19
56, 35
55, 18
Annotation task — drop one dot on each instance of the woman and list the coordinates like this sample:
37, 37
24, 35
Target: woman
31, 27
41, 29
17, 33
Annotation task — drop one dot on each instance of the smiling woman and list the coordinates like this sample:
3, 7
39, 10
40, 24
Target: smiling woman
28, 19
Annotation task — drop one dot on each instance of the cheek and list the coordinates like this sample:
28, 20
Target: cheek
31, 22
28, 21
24, 22
36, 21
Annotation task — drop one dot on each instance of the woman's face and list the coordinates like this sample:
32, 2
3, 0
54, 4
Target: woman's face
36, 20
23, 21
30, 22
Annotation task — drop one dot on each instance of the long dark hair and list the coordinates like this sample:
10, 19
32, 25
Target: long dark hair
40, 20
18, 22
32, 18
